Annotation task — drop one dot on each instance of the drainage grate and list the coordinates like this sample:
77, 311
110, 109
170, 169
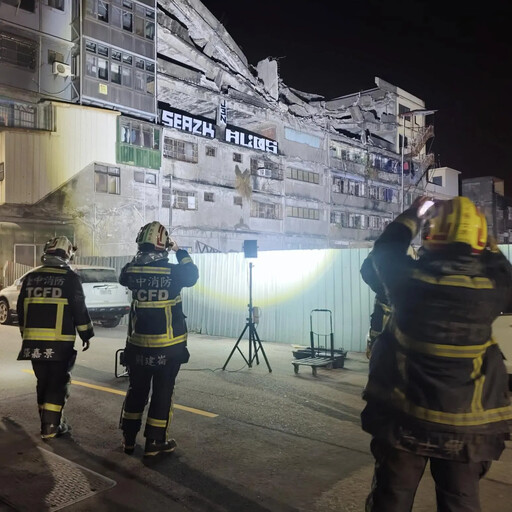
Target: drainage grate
40, 480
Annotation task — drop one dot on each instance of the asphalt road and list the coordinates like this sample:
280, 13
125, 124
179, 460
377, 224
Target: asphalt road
248, 439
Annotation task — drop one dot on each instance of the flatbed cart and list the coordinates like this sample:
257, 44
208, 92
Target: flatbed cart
321, 353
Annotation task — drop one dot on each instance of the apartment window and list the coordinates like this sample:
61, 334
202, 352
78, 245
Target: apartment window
139, 134
18, 51
208, 197
115, 73
210, 151
127, 21
90, 46
91, 66
338, 185
356, 220
103, 11
139, 25
374, 222
145, 177
338, 218
26, 5
301, 175
266, 167
405, 139
390, 195
126, 77
180, 150
303, 213
2, 171
237, 157
265, 210
373, 192
103, 69
107, 179
184, 200
237, 200
150, 30
103, 50
56, 4
150, 84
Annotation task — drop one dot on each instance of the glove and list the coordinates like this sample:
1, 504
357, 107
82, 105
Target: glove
85, 345
174, 246
492, 244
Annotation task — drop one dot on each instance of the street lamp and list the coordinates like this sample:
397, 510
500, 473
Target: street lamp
404, 115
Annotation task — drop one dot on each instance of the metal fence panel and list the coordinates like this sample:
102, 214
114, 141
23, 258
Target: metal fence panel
286, 285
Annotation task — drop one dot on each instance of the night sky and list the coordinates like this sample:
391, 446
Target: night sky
458, 62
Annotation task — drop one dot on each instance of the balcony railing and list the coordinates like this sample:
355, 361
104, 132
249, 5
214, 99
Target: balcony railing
15, 114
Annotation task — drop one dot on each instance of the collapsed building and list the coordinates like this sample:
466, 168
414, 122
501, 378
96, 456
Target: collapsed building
114, 114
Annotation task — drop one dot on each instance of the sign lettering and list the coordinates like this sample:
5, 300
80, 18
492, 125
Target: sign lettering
187, 123
250, 140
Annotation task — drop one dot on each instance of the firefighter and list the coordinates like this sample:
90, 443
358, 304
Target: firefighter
381, 308
156, 344
437, 386
51, 308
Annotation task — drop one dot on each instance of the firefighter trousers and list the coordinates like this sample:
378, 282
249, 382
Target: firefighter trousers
398, 474
160, 381
53, 379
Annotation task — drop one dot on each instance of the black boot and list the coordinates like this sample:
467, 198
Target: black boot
156, 447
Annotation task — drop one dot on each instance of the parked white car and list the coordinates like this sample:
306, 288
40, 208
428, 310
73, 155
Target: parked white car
106, 300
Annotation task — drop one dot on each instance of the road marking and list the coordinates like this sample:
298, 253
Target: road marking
123, 393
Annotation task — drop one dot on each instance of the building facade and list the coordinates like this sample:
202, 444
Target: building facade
116, 113
488, 193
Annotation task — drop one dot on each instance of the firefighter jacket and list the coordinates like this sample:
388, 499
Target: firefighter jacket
436, 374
157, 329
51, 309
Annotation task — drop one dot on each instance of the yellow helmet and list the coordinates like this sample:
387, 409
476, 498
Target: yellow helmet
457, 220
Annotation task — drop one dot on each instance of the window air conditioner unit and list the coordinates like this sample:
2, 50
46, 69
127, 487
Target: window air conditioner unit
61, 69
267, 173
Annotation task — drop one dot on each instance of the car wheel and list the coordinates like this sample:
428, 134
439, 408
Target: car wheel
5, 314
111, 322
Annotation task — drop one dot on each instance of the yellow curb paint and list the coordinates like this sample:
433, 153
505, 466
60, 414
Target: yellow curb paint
123, 393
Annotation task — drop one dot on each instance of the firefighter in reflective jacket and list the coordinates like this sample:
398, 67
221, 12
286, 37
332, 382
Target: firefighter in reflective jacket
437, 388
51, 308
156, 345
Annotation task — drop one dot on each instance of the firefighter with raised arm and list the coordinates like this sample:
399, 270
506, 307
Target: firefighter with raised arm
51, 309
437, 387
156, 345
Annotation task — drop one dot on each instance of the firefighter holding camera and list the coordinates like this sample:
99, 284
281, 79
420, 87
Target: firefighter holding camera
437, 387
156, 344
51, 309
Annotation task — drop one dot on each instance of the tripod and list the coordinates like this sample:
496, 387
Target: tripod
254, 340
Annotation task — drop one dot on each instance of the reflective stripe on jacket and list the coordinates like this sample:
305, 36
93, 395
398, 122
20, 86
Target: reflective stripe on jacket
51, 309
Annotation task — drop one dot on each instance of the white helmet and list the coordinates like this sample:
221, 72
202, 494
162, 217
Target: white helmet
60, 246
153, 236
